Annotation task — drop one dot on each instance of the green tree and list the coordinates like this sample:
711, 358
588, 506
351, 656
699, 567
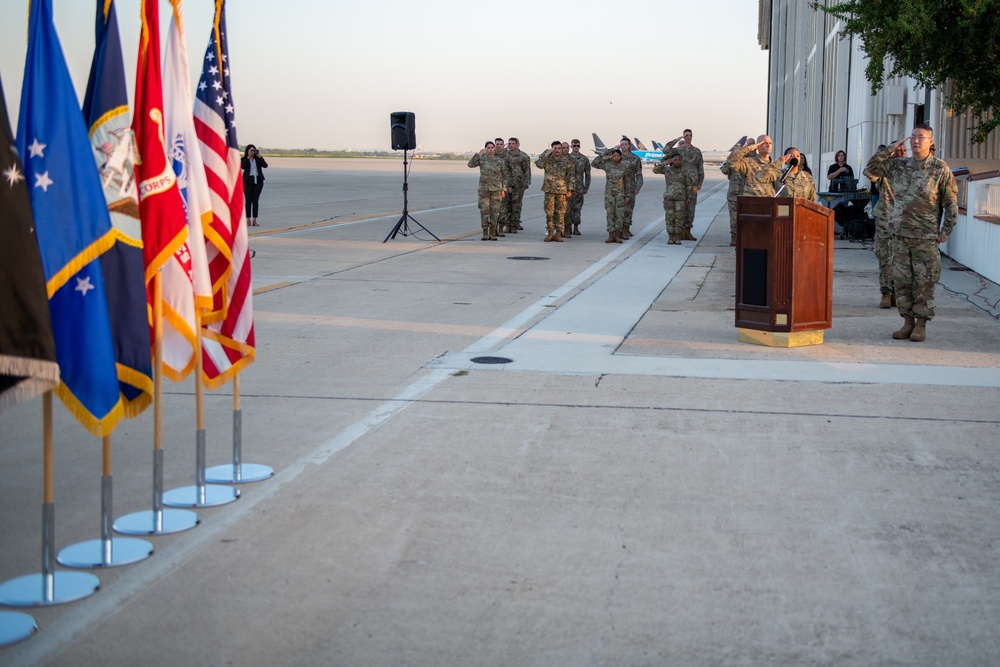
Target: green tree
932, 41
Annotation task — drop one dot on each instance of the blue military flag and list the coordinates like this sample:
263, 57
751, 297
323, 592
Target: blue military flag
105, 110
74, 229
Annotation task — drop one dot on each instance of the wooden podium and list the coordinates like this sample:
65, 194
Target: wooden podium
784, 271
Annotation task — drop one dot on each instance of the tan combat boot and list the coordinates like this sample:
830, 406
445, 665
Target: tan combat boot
500, 230
486, 234
908, 326
557, 236
618, 236
886, 301
919, 333
687, 236
611, 236
551, 236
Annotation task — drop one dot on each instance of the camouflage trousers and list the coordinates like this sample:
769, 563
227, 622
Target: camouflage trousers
555, 210
614, 205
675, 215
513, 204
732, 215
916, 267
489, 208
574, 206
629, 207
503, 217
883, 252
692, 202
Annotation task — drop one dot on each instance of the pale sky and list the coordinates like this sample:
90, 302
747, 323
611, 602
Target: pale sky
326, 74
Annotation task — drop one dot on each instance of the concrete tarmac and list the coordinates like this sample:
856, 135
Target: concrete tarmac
634, 487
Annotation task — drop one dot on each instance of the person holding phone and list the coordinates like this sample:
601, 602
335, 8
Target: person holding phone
253, 182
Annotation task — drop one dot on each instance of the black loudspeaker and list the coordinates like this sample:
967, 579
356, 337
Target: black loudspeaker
403, 130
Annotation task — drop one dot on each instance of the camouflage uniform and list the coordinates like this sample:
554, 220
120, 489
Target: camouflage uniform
491, 179
518, 180
799, 184
747, 163
736, 185
883, 238
575, 203
694, 165
560, 178
633, 183
614, 190
503, 214
921, 190
675, 197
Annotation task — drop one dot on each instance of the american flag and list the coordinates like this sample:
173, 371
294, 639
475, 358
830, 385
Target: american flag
228, 340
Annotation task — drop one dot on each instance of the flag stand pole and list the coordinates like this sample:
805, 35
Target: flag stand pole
201, 494
49, 587
157, 521
238, 472
109, 551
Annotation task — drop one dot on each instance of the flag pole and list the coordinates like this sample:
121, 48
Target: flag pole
157, 521
48, 587
108, 551
238, 472
201, 494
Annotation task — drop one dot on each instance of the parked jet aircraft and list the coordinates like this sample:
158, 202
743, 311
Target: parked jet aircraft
646, 156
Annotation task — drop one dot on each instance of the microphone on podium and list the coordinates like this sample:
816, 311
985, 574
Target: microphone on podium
794, 162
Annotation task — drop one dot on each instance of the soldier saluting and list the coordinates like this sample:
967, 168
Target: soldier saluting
923, 186
491, 175
560, 179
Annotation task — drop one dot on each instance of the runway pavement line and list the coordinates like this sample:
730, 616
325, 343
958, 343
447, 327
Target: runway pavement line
268, 288
348, 221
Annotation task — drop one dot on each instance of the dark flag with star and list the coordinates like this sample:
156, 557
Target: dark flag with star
27, 351
105, 109
73, 226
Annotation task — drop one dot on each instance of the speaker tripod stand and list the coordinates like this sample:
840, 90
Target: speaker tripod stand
403, 224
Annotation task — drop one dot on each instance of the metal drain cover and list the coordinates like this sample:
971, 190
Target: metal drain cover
491, 360
529, 258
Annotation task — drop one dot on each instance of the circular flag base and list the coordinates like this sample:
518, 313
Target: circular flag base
150, 522
243, 473
30, 590
110, 553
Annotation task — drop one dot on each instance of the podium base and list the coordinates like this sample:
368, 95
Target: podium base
782, 338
